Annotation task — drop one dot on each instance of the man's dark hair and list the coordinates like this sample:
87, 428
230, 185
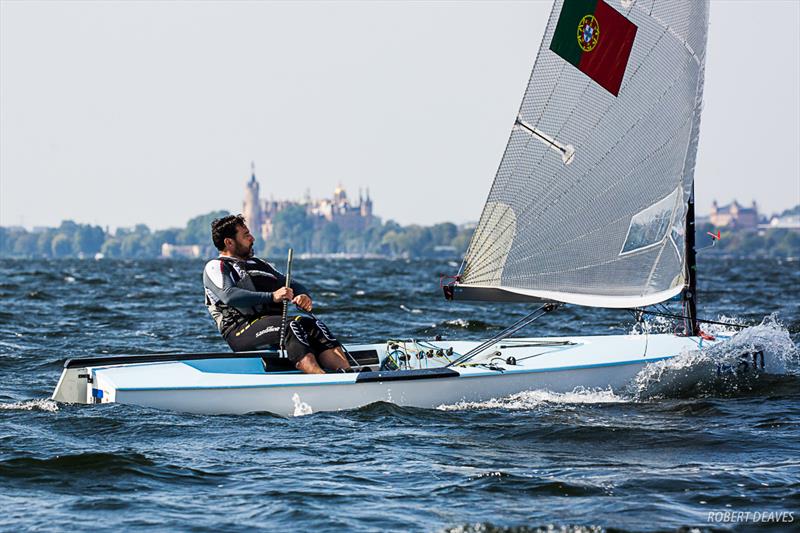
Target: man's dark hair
225, 228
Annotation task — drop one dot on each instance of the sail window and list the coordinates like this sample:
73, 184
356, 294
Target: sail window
649, 226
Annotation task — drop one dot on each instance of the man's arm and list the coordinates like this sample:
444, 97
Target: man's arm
217, 279
297, 288
301, 297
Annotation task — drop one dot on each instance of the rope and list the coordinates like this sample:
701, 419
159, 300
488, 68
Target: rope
510, 330
684, 317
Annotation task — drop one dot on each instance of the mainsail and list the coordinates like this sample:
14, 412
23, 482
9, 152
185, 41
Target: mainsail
589, 203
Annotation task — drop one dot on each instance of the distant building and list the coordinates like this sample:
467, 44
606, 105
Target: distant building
252, 206
791, 222
181, 250
734, 215
341, 212
338, 209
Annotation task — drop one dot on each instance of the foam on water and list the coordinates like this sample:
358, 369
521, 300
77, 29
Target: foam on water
653, 324
718, 368
701, 372
772, 337
548, 528
532, 399
301, 408
47, 405
458, 322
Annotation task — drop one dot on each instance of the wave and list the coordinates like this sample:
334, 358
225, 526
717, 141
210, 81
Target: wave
46, 405
488, 527
528, 400
725, 368
11, 345
462, 323
733, 365
39, 295
499, 482
391, 411
101, 464
89, 308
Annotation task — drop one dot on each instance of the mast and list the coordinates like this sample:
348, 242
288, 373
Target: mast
689, 295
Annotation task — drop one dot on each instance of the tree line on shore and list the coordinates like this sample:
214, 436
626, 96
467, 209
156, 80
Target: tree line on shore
293, 226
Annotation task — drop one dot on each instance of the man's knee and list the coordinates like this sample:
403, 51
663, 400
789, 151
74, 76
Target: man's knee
307, 359
334, 359
308, 364
299, 331
326, 333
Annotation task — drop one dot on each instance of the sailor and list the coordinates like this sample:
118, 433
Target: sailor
245, 297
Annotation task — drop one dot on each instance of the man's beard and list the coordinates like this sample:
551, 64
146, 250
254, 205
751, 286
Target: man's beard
244, 251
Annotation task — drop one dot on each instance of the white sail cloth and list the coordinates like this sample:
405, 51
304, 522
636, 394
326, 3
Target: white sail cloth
603, 226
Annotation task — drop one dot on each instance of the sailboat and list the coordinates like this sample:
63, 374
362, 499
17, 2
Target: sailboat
592, 205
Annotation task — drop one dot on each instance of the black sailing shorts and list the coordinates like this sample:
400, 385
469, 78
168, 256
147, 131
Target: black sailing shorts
303, 335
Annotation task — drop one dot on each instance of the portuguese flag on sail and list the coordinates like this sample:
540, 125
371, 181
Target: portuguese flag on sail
596, 38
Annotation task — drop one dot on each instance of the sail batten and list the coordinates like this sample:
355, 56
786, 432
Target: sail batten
589, 200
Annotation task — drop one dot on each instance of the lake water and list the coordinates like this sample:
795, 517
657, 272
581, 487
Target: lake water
625, 460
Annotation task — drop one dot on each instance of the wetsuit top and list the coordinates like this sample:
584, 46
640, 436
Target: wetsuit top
241, 291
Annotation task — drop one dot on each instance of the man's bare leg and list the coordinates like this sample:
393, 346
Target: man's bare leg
334, 359
308, 364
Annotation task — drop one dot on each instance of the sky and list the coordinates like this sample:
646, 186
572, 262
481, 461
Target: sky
117, 113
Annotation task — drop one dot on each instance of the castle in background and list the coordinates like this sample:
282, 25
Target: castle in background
338, 210
734, 215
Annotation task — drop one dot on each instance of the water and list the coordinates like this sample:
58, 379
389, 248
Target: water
661, 455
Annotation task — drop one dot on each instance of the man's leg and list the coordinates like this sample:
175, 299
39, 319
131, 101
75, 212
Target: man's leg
308, 365
256, 335
331, 355
265, 332
334, 359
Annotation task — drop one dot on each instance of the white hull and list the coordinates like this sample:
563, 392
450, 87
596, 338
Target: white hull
334, 396
238, 384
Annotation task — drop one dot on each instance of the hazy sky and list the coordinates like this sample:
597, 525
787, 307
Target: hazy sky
122, 112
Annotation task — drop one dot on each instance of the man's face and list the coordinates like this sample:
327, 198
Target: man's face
242, 245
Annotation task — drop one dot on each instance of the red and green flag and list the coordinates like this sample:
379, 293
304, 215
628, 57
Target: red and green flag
596, 38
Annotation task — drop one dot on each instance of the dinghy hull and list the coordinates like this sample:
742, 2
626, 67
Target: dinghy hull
238, 383
301, 399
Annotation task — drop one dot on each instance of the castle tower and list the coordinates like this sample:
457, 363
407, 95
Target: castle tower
251, 208
339, 195
366, 205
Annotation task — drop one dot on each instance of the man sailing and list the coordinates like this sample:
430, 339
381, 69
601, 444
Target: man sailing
245, 297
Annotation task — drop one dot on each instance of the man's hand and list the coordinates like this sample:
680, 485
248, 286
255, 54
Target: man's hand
283, 294
303, 301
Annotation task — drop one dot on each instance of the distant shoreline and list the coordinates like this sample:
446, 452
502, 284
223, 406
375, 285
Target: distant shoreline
312, 240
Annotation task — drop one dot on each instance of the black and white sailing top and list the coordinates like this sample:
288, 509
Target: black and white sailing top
238, 291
